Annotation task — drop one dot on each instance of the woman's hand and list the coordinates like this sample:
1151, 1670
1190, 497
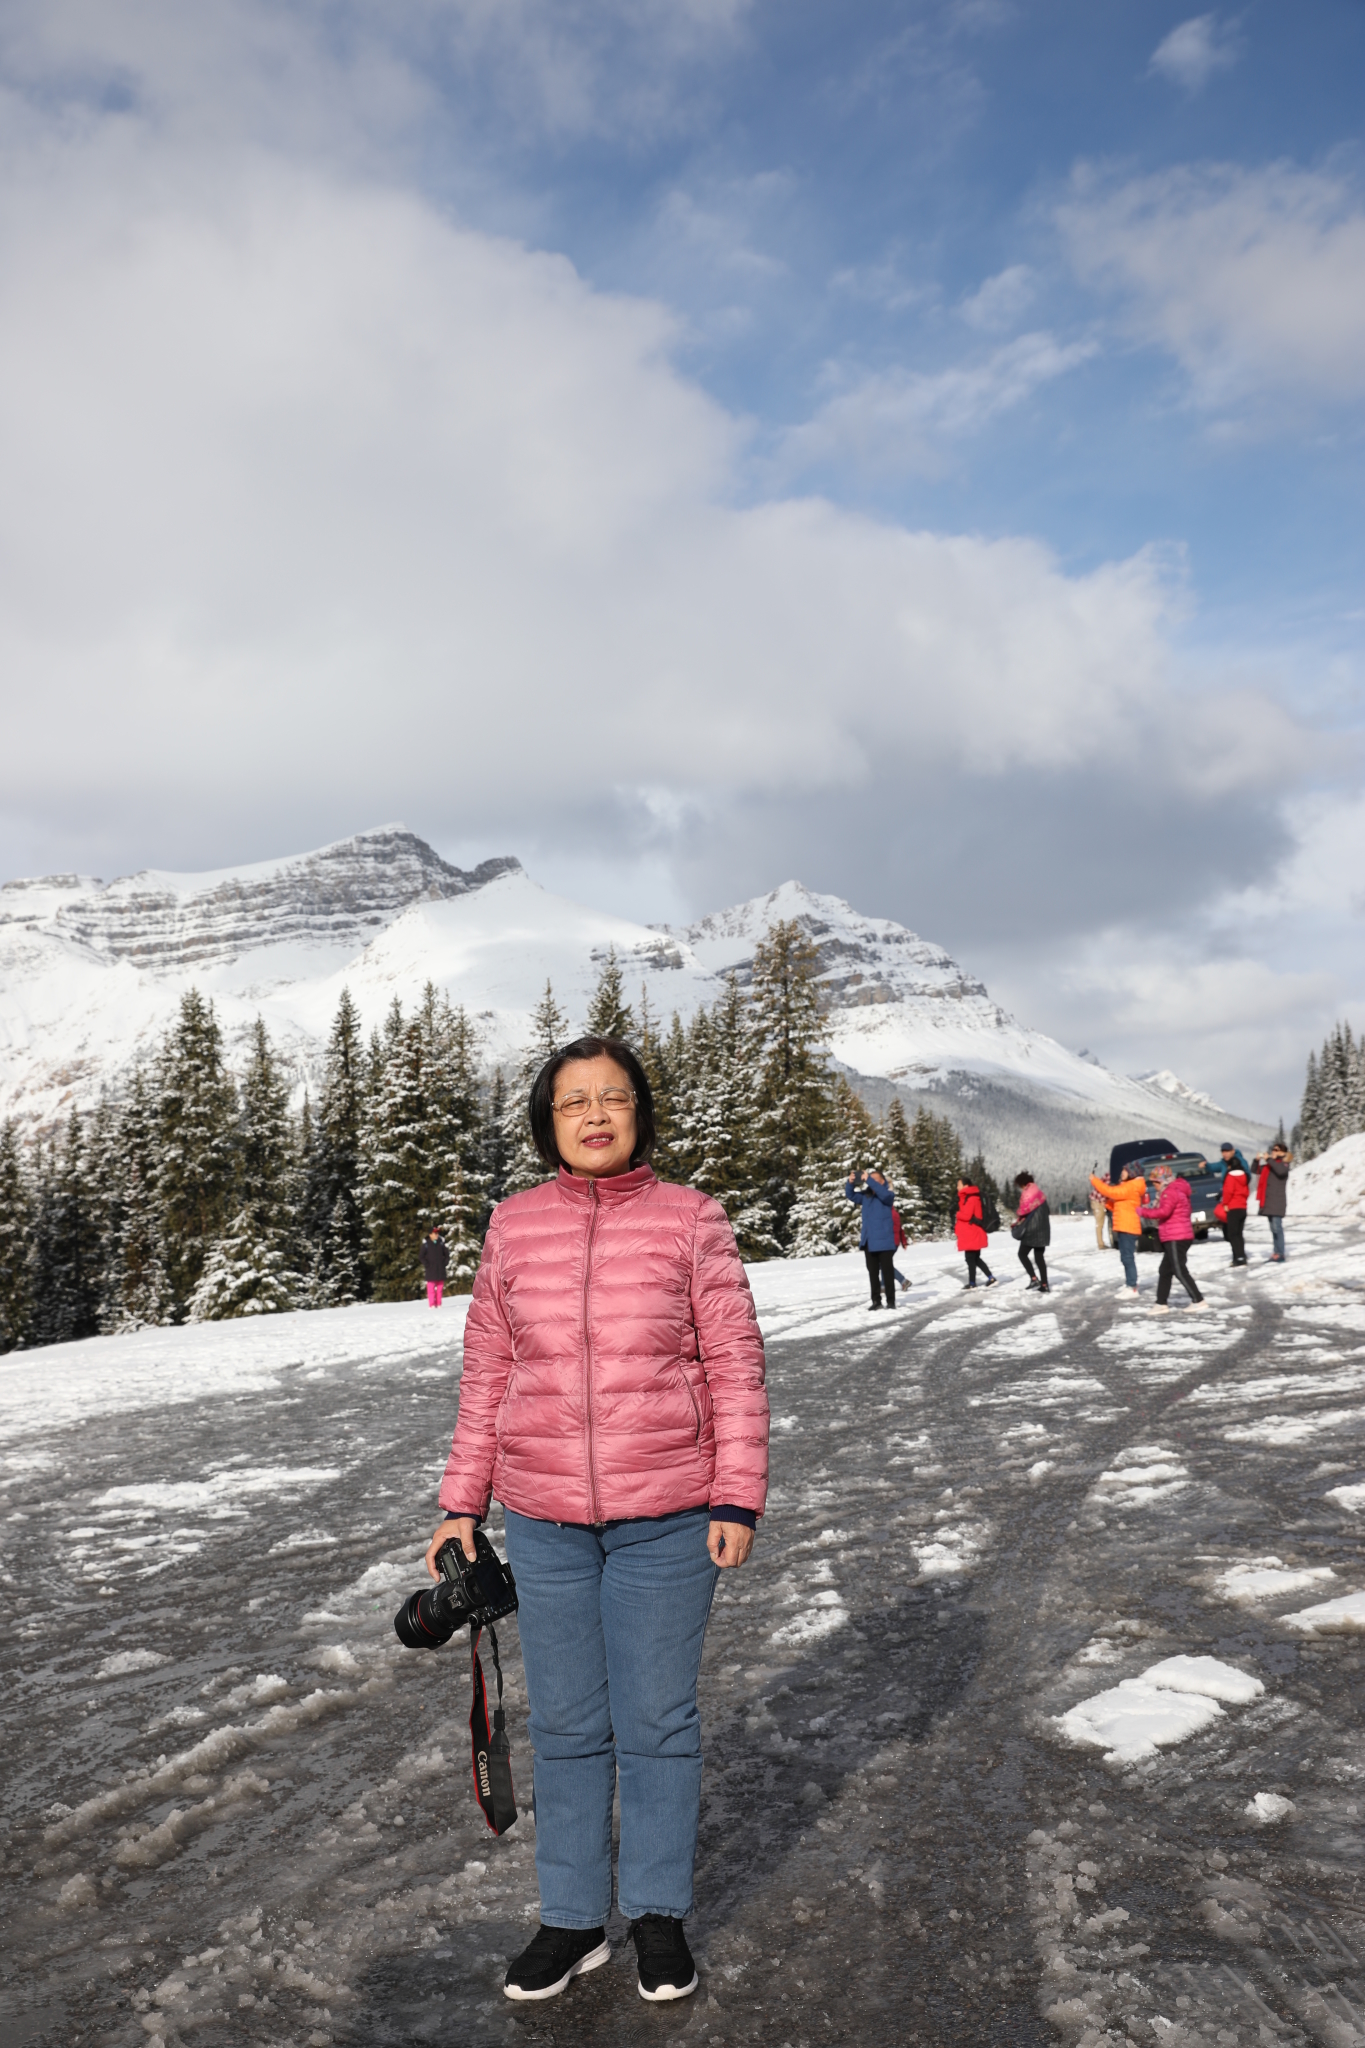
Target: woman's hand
461, 1530
729, 1543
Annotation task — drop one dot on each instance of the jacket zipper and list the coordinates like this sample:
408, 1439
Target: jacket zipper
593, 1512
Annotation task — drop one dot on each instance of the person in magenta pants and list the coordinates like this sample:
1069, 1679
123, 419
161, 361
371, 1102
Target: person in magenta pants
435, 1265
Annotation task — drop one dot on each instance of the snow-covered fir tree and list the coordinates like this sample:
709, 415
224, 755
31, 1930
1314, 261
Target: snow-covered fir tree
64, 1249
16, 1225
822, 1219
609, 1014
1334, 1093
332, 1222
495, 1149
897, 1149
794, 1073
717, 1120
252, 1266
196, 1144
136, 1292
245, 1274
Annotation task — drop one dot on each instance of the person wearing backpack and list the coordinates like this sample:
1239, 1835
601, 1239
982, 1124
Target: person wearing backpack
970, 1230
1126, 1198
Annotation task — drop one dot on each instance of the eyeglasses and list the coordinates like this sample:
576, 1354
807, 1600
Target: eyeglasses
577, 1104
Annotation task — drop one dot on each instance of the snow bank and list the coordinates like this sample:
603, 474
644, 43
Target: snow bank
66, 1383
1333, 1184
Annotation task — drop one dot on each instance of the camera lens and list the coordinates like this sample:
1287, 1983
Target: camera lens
423, 1623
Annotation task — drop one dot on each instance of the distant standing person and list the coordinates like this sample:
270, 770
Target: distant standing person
971, 1236
435, 1265
1232, 1157
1127, 1197
1232, 1204
1033, 1228
1171, 1214
877, 1238
1099, 1209
1272, 1193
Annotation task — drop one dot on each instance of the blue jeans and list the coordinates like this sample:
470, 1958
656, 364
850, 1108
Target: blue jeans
1277, 1234
1126, 1240
612, 1623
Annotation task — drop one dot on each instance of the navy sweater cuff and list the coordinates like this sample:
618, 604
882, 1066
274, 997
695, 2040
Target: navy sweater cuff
726, 1512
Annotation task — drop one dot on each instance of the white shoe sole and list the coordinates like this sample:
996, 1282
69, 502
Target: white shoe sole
592, 1961
669, 1991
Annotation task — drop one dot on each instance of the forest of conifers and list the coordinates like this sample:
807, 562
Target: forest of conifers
196, 1192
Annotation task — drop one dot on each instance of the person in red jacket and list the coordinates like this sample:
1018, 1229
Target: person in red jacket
1232, 1204
1171, 1214
613, 1399
971, 1237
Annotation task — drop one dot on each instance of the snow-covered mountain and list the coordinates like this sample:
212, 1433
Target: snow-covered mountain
91, 973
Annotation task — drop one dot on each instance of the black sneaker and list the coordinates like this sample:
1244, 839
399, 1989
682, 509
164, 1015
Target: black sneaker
666, 1966
871, 1305
555, 1955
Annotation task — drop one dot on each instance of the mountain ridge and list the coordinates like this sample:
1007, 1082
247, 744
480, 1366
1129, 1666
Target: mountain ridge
91, 974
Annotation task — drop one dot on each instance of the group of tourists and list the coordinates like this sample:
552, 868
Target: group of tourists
1160, 1195
1152, 1196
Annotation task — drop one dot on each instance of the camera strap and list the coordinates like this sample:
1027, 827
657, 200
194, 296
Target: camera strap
492, 1751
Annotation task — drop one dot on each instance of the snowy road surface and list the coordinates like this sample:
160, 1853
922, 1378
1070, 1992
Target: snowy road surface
1035, 1718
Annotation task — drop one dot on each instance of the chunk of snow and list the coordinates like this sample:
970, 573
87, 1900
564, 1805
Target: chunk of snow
1349, 1497
1333, 1617
1265, 1578
1134, 1720
125, 1661
1269, 1806
1206, 1675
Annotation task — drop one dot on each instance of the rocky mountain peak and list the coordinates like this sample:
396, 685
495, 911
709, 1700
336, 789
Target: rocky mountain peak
338, 896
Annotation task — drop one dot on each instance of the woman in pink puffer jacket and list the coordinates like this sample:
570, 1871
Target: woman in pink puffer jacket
1171, 1214
613, 1400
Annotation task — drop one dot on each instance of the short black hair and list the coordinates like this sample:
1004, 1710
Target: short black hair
1022, 1180
541, 1106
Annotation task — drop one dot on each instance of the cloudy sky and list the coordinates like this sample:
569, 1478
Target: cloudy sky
915, 447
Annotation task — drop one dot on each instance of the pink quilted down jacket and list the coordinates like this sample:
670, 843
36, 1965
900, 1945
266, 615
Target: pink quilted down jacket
613, 1365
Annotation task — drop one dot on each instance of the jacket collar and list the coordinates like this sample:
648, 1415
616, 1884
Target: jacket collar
617, 1187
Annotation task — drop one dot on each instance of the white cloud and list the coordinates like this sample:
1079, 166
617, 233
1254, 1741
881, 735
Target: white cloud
894, 420
1253, 279
318, 508
1191, 53
999, 302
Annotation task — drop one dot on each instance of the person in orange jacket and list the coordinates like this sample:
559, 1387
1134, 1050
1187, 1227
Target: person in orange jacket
1125, 1199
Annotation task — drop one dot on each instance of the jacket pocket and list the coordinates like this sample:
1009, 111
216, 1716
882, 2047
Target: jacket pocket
694, 1403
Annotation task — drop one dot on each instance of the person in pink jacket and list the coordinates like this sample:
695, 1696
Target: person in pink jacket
1171, 1214
613, 1400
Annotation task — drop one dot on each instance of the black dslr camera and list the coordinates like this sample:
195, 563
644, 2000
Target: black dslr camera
479, 1593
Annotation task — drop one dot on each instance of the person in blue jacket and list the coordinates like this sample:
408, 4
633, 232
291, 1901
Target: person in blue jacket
877, 1239
1232, 1158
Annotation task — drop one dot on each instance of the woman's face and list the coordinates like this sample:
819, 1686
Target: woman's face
598, 1138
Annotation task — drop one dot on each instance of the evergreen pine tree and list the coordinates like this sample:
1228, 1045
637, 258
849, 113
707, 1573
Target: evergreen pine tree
609, 1014
935, 1167
64, 1252
822, 1218
137, 1292
399, 1181
653, 1055
1307, 1138
794, 1074
455, 1131
549, 1031
16, 1225
717, 1120
251, 1266
196, 1148
898, 1152
332, 1219
495, 1150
